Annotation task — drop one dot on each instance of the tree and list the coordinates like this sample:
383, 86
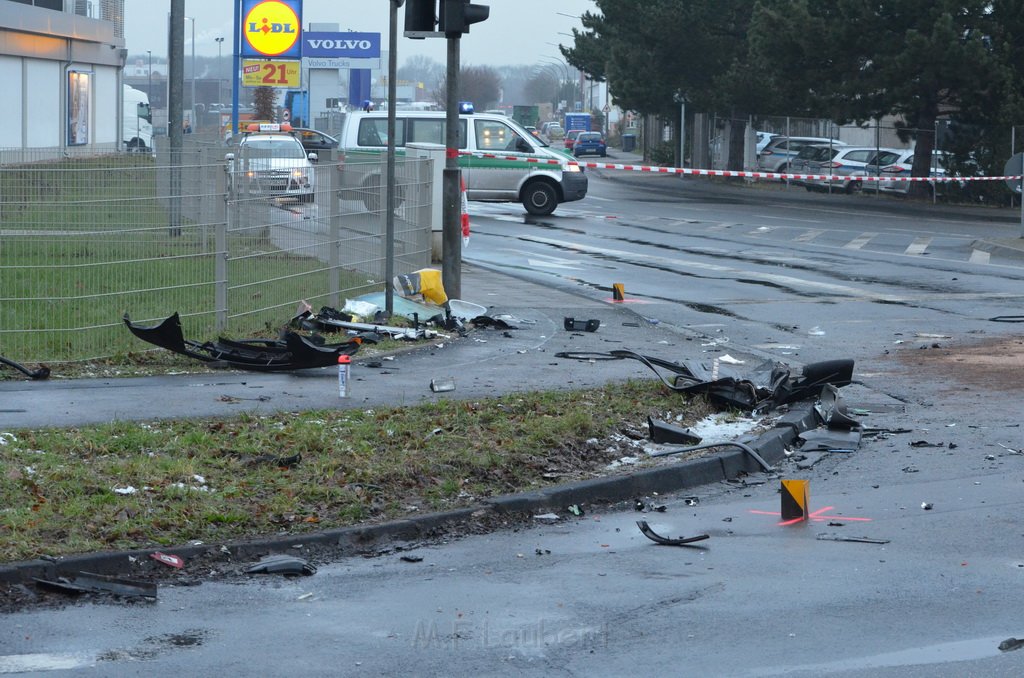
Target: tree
264, 103
423, 69
480, 85
656, 53
854, 61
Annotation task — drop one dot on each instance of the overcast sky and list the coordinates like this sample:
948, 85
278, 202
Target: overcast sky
517, 32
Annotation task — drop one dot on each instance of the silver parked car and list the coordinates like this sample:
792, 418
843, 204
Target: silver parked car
848, 162
781, 151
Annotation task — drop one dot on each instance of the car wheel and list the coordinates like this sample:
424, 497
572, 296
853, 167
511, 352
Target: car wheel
539, 198
854, 187
783, 169
371, 194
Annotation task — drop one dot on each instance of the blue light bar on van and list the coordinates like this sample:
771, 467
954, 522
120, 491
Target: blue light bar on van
465, 107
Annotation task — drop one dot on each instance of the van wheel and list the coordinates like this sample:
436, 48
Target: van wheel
371, 194
540, 199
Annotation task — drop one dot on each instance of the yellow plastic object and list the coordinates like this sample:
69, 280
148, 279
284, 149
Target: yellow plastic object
426, 281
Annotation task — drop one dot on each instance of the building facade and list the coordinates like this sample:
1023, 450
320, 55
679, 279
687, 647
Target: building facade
61, 63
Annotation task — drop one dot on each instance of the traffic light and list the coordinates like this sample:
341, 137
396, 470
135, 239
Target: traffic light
420, 18
457, 15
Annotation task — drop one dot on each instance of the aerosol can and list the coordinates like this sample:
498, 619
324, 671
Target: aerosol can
344, 366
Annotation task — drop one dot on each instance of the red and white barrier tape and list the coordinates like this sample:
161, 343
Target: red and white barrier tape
735, 173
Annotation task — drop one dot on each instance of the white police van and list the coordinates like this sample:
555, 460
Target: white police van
501, 161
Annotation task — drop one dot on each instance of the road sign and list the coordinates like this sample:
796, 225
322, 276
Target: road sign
607, 108
271, 73
1014, 167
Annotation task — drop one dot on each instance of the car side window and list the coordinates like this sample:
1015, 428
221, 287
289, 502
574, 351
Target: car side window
369, 135
428, 131
859, 156
493, 135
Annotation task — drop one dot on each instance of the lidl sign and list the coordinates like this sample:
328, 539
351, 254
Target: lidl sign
271, 28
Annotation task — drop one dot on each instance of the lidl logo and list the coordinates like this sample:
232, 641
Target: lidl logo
271, 28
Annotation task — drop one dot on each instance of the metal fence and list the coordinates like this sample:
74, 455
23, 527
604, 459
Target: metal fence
85, 239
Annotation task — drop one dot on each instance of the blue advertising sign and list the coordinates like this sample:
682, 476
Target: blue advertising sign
271, 28
341, 45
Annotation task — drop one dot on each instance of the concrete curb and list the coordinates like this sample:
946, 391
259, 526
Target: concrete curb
770, 445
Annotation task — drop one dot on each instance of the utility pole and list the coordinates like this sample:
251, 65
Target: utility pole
175, 87
389, 205
449, 19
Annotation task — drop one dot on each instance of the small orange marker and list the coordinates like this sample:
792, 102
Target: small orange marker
618, 292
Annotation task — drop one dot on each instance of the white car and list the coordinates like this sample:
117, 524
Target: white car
901, 167
270, 162
847, 162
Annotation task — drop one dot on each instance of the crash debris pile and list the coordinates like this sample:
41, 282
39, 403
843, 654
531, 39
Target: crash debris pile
295, 351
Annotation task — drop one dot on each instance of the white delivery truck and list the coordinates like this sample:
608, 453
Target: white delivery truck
137, 127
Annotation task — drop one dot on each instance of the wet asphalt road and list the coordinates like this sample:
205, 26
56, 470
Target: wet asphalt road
591, 596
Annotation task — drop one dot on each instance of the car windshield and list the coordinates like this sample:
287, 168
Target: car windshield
276, 148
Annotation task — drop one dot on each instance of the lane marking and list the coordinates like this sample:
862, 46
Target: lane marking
841, 291
23, 663
918, 246
808, 236
859, 241
979, 257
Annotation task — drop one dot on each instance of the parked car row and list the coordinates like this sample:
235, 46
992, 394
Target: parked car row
831, 157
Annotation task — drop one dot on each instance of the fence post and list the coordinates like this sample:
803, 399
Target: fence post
334, 235
220, 254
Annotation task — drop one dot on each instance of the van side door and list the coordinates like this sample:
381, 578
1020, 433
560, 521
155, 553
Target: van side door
498, 177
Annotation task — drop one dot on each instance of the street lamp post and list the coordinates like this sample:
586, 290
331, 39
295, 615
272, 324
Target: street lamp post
220, 69
192, 118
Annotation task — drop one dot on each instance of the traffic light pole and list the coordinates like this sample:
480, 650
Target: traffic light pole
451, 229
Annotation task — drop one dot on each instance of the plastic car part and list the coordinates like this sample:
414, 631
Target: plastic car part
663, 432
281, 564
87, 582
668, 541
733, 443
292, 352
42, 373
573, 325
768, 384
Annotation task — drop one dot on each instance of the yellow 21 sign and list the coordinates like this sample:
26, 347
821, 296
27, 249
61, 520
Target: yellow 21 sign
271, 73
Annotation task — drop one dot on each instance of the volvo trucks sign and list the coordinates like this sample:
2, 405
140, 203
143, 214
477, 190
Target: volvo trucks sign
341, 45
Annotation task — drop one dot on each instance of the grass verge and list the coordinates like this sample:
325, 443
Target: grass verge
141, 485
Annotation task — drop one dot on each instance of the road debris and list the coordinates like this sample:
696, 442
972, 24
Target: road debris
442, 385
664, 432
168, 559
87, 582
281, 564
292, 351
43, 372
766, 385
668, 541
862, 540
1011, 644
411, 559
573, 325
